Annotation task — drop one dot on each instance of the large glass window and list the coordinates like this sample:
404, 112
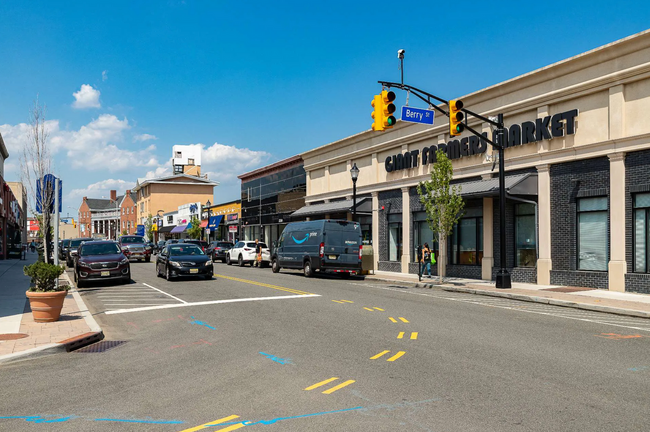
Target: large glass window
466, 246
366, 229
394, 237
525, 245
592, 234
641, 232
422, 234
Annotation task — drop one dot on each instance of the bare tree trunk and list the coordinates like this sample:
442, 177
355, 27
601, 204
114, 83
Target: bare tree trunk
442, 258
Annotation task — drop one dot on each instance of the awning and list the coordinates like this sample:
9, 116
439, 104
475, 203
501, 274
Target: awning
204, 223
166, 229
178, 229
520, 184
214, 222
364, 205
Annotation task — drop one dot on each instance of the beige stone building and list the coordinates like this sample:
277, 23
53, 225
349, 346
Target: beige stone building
577, 163
166, 194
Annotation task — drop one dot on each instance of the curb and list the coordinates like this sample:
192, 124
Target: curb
549, 301
95, 335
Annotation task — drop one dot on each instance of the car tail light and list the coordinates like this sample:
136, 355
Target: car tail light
321, 251
360, 248
248, 249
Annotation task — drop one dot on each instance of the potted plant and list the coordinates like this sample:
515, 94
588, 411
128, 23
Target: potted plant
45, 298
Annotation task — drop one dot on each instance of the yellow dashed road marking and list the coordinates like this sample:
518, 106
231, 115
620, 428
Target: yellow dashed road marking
396, 356
379, 309
404, 319
291, 290
414, 335
338, 387
347, 301
376, 356
368, 309
217, 422
400, 335
392, 319
322, 383
337, 301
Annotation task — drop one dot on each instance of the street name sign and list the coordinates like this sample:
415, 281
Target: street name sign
417, 115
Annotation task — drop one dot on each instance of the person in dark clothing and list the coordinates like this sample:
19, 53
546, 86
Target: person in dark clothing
426, 260
258, 253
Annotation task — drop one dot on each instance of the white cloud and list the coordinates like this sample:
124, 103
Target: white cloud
101, 189
86, 97
104, 75
144, 137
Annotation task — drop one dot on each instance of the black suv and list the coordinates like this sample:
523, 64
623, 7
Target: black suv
217, 250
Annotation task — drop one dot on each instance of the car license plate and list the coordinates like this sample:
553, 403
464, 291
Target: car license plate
106, 273
194, 270
332, 257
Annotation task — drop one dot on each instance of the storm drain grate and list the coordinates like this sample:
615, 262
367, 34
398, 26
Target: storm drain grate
100, 347
12, 336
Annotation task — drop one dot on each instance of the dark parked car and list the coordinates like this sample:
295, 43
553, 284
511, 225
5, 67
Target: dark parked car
71, 252
200, 243
135, 247
64, 245
217, 250
170, 241
183, 259
101, 260
321, 245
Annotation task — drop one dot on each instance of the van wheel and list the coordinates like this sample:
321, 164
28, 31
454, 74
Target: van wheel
275, 266
307, 270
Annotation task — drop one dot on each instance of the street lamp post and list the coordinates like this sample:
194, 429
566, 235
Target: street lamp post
354, 173
208, 204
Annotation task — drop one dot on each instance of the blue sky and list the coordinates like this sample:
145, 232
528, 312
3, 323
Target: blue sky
255, 82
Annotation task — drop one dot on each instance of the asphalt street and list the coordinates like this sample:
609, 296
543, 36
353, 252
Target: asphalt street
279, 352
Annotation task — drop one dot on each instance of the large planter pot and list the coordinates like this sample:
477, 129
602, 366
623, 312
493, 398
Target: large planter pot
46, 306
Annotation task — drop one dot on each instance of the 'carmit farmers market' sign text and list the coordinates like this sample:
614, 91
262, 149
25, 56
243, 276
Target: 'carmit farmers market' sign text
546, 128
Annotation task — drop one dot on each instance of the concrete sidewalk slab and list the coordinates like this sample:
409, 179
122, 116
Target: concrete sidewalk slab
75, 328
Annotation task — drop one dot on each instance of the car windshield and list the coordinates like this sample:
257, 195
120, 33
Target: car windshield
77, 242
224, 245
131, 239
66, 243
99, 249
186, 249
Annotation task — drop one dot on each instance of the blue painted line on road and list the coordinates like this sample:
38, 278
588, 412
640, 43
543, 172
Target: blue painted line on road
201, 323
638, 369
39, 419
48, 419
276, 359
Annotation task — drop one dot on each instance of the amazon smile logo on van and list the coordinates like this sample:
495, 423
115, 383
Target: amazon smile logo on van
301, 241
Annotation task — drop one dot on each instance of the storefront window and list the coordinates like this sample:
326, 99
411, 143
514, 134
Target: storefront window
525, 245
641, 232
366, 229
394, 237
422, 234
467, 238
592, 234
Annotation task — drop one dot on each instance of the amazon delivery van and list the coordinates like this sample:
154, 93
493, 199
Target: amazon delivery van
320, 245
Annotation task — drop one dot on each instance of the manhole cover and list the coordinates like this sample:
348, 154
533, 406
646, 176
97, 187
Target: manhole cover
12, 336
100, 347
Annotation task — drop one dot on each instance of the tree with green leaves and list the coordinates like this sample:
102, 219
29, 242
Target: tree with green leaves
194, 231
443, 204
148, 227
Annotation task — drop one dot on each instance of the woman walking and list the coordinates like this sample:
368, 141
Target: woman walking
425, 260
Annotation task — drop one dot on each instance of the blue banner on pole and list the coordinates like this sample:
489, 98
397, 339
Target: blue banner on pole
45, 190
214, 222
417, 115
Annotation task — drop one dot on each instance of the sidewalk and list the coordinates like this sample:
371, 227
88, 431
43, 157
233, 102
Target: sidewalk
620, 303
21, 337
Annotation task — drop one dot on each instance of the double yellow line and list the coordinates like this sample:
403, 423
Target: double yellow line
289, 290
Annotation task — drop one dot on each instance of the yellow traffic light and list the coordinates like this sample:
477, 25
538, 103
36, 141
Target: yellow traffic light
456, 117
387, 98
377, 114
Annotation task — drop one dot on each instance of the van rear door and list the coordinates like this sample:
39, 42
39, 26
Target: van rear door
342, 241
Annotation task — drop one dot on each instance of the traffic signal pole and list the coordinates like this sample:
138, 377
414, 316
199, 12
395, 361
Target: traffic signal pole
503, 279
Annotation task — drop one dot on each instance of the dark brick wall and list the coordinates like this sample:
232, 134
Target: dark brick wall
464, 271
510, 232
392, 203
569, 181
637, 179
637, 282
390, 266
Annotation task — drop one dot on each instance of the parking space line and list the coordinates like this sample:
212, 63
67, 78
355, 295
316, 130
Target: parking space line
163, 292
204, 303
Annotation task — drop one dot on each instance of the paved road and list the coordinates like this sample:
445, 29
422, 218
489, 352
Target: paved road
278, 352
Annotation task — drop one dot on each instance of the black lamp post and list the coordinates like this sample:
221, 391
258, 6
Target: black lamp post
208, 204
354, 173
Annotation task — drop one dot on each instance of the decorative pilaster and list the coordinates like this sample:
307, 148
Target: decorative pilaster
617, 263
406, 229
544, 263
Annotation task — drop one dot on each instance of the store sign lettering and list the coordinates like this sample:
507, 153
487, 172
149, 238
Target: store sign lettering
547, 128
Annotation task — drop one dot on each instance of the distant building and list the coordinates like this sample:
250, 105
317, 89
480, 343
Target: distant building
100, 217
21, 195
187, 159
12, 215
128, 217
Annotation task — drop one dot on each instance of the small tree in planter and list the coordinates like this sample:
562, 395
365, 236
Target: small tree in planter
45, 297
